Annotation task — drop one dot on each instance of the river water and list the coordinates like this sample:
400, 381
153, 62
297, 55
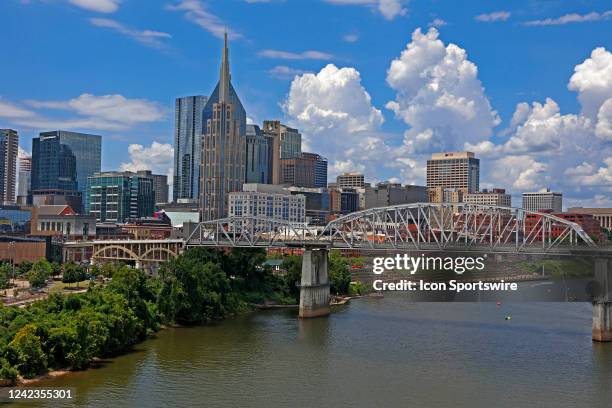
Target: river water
369, 353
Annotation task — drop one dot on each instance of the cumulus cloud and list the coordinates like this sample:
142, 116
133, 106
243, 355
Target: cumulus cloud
603, 130
314, 55
439, 95
572, 18
389, 9
587, 174
159, 158
100, 6
593, 81
524, 173
350, 38
437, 22
494, 16
149, 38
197, 13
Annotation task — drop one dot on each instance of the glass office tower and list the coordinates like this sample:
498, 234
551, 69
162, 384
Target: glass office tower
188, 146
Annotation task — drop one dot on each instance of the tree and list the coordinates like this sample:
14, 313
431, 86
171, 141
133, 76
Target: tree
25, 352
73, 273
6, 271
339, 273
38, 275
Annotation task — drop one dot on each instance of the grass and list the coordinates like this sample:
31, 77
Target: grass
59, 286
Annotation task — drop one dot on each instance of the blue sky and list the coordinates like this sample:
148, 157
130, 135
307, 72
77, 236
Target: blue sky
89, 64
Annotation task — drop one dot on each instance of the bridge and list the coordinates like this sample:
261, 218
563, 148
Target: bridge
144, 254
430, 227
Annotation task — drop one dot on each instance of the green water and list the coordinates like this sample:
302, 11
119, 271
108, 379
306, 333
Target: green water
370, 353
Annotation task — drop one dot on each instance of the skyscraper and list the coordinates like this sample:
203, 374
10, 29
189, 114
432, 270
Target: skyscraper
304, 170
283, 143
160, 185
459, 170
224, 146
188, 132
62, 161
9, 145
257, 159
25, 179
543, 201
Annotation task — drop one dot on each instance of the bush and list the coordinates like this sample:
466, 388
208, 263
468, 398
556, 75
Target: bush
25, 352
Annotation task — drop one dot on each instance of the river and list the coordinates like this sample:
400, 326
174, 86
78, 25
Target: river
369, 353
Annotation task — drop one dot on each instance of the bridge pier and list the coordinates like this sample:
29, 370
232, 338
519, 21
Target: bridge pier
602, 304
314, 286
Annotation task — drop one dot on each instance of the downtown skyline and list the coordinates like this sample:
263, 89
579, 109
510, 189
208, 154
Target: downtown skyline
370, 104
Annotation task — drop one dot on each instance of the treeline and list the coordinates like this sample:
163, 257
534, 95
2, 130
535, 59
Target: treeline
68, 331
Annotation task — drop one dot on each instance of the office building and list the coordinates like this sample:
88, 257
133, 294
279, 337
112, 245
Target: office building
24, 180
188, 131
304, 170
117, 196
224, 146
160, 185
62, 162
350, 180
283, 143
386, 194
16, 220
279, 204
257, 157
445, 195
9, 146
343, 201
496, 196
543, 201
454, 170
602, 215
63, 221
318, 204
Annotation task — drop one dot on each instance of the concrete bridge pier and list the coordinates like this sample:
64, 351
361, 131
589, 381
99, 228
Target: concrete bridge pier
314, 286
602, 304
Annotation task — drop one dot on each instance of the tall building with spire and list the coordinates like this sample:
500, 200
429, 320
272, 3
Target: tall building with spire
223, 167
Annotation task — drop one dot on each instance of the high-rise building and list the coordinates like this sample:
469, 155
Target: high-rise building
117, 196
160, 185
62, 162
188, 146
496, 196
283, 143
223, 167
25, 179
454, 170
350, 180
304, 170
543, 201
9, 146
257, 158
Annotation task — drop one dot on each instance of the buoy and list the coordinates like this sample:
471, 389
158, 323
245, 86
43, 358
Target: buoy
508, 317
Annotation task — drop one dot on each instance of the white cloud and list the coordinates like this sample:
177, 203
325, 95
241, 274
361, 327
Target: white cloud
437, 22
149, 38
603, 130
389, 9
586, 174
284, 72
523, 172
100, 6
494, 16
439, 95
593, 81
104, 112
572, 18
159, 158
315, 55
350, 38
196, 12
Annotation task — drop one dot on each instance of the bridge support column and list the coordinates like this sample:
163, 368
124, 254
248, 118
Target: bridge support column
314, 287
602, 304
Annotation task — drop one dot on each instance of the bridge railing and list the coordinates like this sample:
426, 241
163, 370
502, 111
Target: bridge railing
427, 226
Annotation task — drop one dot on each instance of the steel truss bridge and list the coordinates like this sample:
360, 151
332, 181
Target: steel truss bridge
418, 226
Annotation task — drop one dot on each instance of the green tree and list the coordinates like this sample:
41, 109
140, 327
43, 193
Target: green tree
38, 275
293, 266
25, 352
24, 267
339, 274
73, 273
6, 271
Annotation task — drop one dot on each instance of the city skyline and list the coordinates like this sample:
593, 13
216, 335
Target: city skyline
532, 127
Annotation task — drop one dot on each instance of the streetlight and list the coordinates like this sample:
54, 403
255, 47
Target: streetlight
12, 245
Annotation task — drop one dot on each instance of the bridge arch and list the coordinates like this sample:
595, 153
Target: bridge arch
171, 253
100, 253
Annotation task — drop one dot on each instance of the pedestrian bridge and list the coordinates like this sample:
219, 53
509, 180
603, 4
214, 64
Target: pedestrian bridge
419, 226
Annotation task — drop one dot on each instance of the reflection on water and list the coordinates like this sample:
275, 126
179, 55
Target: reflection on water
372, 352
